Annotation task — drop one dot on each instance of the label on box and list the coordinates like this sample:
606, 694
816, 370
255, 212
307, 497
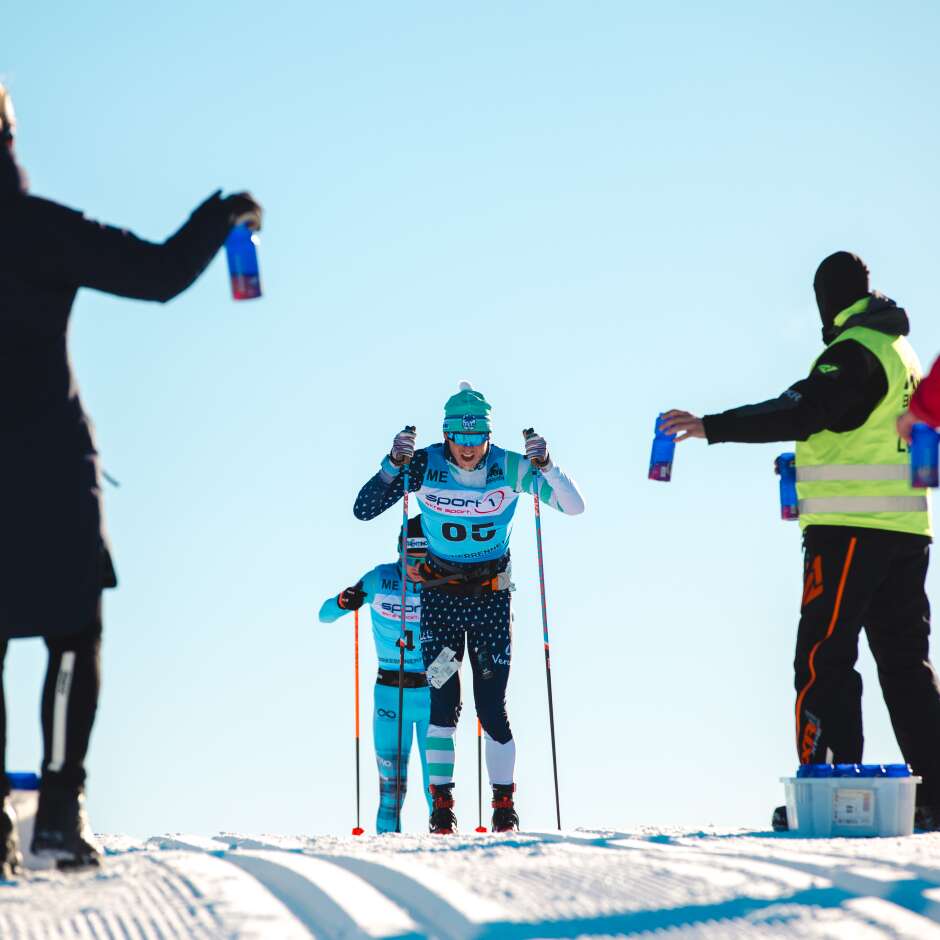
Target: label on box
853, 807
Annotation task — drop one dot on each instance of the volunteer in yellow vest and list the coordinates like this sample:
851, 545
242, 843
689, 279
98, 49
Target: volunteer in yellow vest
866, 531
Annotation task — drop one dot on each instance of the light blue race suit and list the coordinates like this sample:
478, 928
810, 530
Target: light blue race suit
382, 587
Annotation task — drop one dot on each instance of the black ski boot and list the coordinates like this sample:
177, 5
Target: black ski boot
443, 822
505, 818
927, 818
779, 820
62, 831
10, 858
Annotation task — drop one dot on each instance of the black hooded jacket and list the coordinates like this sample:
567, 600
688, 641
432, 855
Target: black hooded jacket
54, 558
840, 393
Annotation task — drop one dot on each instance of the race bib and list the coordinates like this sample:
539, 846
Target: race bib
443, 667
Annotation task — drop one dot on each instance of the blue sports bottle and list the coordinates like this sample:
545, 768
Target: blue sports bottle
664, 448
241, 249
785, 468
924, 466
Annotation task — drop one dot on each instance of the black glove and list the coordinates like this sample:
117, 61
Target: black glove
351, 598
244, 209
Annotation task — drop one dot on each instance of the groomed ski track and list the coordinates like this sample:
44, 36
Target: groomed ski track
663, 883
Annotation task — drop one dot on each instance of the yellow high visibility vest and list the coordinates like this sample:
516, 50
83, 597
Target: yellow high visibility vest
862, 477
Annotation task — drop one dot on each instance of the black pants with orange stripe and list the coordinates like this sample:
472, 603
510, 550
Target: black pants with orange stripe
873, 579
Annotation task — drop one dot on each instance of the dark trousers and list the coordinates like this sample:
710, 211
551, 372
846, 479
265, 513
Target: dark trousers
484, 623
871, 578
69, 704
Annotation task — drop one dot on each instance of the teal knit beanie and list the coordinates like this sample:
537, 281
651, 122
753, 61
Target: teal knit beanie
467, 412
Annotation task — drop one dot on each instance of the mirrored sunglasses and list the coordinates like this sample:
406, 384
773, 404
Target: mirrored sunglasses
467, 440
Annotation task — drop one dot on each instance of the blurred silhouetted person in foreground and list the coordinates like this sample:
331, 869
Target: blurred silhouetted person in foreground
54, 555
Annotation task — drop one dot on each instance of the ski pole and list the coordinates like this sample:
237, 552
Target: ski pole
404, 641
480, 827
357, 831
536, 477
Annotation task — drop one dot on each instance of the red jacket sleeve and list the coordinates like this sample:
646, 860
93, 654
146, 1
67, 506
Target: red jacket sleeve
926, 401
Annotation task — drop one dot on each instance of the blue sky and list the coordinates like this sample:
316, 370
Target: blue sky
593, 213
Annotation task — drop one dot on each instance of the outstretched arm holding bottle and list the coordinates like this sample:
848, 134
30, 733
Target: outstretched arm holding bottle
61, 243
842, 389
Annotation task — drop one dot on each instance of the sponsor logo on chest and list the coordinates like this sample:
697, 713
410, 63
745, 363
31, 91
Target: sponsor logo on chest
468, 502
389, 605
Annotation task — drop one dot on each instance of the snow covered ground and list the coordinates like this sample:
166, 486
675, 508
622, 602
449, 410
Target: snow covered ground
666, 883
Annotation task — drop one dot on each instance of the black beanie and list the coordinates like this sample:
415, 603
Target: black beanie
840, 281
416, 540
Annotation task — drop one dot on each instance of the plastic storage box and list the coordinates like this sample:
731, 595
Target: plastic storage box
838, 800
24, 789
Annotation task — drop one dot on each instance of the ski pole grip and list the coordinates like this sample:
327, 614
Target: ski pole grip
413, 429
526, 434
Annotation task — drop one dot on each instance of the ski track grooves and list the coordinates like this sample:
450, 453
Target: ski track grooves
449, 911
129, 904
899, 906
217, 889
328, 899
436, 917
903, 892
894, 902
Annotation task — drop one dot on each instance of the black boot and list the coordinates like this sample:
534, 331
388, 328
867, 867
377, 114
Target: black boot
10, 858
62, 831
779, 820
505, 818
927, 818
443, 822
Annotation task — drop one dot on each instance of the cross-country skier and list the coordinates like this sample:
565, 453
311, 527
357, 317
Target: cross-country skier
468, 491
866, 531
381, 590
54, 555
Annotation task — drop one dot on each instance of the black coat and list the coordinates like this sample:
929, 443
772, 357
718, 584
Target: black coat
54, 555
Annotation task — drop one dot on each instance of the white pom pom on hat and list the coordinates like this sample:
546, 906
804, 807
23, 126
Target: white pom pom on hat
464, 386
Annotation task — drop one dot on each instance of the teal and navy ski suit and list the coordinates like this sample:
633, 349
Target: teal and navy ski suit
467, 519
382, 587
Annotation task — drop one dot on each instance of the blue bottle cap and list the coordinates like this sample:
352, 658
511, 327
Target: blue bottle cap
871, 770
847, 770
814, 770
23, 781
897, 770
